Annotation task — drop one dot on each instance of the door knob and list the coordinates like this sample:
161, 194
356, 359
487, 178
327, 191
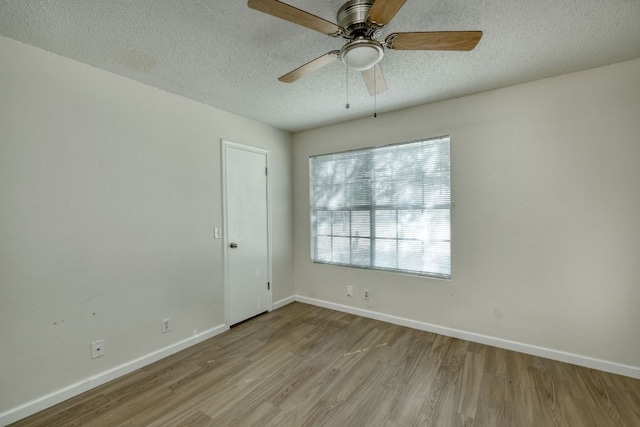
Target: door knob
233, 245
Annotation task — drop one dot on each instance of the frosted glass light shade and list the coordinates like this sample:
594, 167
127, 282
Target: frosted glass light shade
361, 54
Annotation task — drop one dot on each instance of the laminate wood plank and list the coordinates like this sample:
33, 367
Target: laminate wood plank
218, 371
370, 403
67, 413
259, 416
414, 352
229, 392
237, 333
439, 405
350, 404
252, 410
545, 407
339, 390
442, 407
382, 403
275, 345
318, 340
572, 409
518, 391
469, 384
495, 361
492, 408
254, 379
415, 385
119, 411
393, 334
214, 383
440, 346
354, 334
624, 405
295, 408
193, 418
300, 383
397, 342
454, 359
633, 399
309, 390
305, 365
207, 389
597, 396
475, 347
368, 346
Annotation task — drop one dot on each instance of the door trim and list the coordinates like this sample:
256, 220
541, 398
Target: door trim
225, 235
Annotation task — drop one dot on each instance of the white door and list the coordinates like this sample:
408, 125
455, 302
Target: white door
247, 237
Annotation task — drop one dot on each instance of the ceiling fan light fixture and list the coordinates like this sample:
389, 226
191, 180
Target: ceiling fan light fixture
361, 54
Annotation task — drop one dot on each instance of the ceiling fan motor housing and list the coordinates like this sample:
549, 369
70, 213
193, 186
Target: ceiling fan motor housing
352, 16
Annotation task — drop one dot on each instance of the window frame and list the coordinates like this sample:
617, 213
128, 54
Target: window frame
373, 210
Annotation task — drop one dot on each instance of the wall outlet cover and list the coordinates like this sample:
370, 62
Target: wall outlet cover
97, 349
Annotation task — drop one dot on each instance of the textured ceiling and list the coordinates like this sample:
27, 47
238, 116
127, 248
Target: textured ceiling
226, 55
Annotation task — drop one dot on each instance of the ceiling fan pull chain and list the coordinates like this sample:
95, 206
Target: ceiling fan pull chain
375, 95
347, 70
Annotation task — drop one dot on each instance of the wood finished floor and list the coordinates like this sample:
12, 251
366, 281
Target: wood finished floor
303, 365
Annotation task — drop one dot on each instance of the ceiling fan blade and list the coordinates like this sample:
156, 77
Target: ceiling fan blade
374, 80
310, 67
295, 15
383, 11
436, 40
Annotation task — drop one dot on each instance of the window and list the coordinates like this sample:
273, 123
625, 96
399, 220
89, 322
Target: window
383, 208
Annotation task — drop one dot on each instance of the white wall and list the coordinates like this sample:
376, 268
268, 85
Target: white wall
546, 224
109, 192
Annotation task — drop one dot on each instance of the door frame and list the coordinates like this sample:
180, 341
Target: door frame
225, 235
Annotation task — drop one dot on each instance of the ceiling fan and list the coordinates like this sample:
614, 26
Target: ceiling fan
360, 22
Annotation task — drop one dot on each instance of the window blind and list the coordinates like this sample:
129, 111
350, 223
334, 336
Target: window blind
384, 208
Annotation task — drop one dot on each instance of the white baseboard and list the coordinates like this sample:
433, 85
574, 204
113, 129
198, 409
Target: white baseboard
283, 302
37, 405
575, 359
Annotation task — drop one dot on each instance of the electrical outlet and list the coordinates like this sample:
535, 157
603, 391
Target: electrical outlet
166, 325
97, 349
349, 291
367, 294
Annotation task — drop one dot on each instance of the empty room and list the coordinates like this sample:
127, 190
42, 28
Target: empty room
341, 213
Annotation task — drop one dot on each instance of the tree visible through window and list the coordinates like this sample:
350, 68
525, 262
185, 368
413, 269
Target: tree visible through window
384, 208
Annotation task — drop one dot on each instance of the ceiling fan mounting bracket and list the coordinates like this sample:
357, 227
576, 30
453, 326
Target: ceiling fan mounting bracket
388, 42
